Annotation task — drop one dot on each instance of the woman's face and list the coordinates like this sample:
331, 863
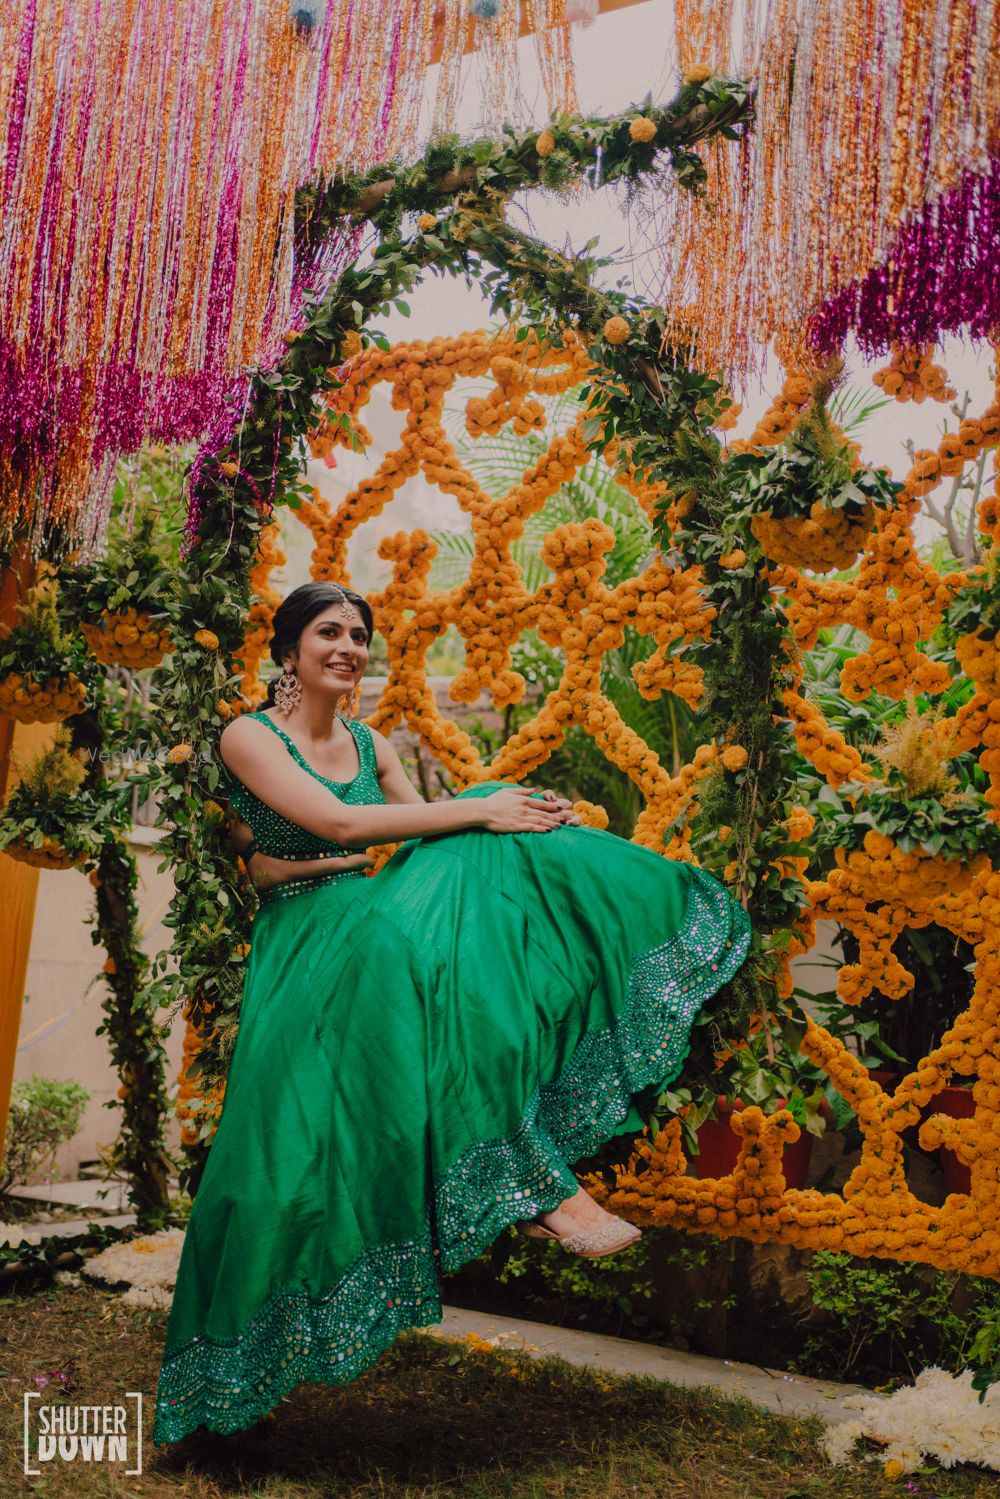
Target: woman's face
332, 652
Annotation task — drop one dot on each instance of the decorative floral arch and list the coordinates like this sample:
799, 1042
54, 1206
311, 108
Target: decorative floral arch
652, 409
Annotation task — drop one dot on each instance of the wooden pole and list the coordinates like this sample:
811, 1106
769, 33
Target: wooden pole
18, 882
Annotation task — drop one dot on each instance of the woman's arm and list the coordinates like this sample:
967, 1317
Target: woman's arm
260, 760
265, 871
397, 787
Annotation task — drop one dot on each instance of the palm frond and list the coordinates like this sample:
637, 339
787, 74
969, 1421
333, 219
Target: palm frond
853, 405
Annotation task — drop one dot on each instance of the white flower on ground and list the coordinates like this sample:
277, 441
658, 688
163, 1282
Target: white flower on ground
940, 1416
150, 1261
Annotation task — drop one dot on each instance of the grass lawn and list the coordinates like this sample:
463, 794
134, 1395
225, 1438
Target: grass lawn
430, 1419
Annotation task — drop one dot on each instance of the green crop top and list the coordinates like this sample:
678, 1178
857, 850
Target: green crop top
281, 839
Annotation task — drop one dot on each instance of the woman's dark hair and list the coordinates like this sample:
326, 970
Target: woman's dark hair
295, 612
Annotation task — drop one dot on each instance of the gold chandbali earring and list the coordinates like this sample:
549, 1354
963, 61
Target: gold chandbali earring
287, 691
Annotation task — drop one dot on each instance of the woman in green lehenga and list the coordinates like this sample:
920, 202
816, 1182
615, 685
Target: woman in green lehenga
422, 1055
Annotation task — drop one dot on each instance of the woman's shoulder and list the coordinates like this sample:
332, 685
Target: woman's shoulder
380, 745
250, 732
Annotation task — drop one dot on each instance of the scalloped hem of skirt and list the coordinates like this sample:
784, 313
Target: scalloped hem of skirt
226, 1386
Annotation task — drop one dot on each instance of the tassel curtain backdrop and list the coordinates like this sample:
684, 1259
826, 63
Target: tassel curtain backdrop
149, 157
865, 199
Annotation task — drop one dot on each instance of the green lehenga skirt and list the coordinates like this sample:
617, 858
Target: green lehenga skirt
422, 1055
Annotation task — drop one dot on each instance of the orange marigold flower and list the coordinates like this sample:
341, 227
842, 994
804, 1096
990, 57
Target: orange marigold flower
180, 754
546, 143
207, 638
642, 129
734, 559
734, 757
110, 966
616, 330
697, 72
426, 221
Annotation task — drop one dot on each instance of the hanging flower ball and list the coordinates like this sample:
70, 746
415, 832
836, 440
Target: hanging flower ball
734, 559
207, 638
48, 855
697, 72
546, 143
643, 130
49, 701
734, 757
127, 637
616, 330
180, 754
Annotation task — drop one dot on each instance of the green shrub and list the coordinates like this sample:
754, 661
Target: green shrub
44, 1113
896, 1319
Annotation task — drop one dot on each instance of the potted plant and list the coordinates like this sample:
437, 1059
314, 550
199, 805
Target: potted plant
43, 671
768, 1070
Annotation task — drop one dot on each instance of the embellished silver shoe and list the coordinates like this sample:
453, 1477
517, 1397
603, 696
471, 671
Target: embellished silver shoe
609, 1239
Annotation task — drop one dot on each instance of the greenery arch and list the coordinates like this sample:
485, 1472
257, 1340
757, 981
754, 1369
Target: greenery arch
645, 398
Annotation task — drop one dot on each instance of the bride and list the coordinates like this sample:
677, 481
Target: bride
422, 1055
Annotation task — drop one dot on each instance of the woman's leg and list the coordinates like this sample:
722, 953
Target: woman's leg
577, 1214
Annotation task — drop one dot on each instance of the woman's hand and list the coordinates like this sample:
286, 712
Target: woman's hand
517, 811
265, 871
569, 817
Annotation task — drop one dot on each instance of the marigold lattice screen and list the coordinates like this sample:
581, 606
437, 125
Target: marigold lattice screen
896, 598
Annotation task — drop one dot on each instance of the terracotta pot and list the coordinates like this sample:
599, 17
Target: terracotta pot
957, 1103
719, 1148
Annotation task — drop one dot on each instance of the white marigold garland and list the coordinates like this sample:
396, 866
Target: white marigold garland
940, 1416
146, 1265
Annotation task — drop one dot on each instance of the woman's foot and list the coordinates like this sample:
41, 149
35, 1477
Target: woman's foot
583, 1227
577, 1214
